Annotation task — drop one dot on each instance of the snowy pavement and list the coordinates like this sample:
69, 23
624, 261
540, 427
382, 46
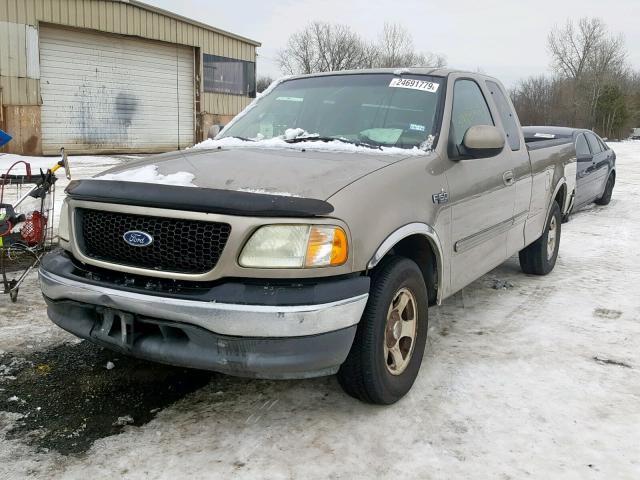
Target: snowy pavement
539, 379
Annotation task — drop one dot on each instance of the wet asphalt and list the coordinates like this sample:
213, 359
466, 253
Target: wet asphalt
72, 394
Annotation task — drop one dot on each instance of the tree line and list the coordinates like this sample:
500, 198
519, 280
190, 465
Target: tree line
326, 47
591, 86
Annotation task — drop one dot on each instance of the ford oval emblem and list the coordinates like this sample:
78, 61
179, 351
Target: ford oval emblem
136, 238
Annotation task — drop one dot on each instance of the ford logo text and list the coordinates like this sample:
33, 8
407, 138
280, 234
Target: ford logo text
138, 239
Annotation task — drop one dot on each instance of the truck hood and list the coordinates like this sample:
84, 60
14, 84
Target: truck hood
309, 174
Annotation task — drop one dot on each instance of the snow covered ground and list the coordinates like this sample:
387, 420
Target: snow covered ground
540, 379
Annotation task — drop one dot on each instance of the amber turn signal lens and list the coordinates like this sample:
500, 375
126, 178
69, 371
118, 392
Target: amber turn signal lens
327, 246
339, 247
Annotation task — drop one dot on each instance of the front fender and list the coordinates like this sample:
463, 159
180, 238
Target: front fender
409, 230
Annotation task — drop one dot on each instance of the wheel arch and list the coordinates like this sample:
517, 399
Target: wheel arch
560, 195
420, 243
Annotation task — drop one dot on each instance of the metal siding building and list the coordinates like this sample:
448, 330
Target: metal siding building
115, 76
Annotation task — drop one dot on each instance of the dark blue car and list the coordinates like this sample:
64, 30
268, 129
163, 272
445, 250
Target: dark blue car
596, 172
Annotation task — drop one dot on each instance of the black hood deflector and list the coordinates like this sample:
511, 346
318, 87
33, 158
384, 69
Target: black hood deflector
195, 199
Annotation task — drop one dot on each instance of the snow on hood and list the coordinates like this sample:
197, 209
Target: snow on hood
264, 191
287, 171
150, 174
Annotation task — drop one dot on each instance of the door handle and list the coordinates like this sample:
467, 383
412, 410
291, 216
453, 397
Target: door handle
507, 177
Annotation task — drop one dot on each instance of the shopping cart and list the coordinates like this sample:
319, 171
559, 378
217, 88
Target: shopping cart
26, 226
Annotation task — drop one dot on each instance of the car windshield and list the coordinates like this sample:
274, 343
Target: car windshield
371, 109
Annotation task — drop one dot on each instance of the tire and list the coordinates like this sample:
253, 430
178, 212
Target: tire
367, 372
540, 257
608, 191
567, 216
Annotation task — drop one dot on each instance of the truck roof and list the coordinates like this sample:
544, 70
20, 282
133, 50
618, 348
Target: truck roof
435, 71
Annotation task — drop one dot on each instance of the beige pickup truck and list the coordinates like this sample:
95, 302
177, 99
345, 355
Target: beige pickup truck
313, 233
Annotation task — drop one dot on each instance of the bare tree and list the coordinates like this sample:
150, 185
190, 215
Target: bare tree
323, 47
538, 101
585, 48
589, 56
395, 49
299, 55
263, 83
572, 46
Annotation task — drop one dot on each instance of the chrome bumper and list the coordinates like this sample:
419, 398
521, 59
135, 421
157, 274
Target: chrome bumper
220, 318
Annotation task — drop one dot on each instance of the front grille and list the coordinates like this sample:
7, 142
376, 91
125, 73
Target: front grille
180, 246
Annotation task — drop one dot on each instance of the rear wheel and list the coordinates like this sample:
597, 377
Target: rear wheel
387, 351
608, 190
540, 257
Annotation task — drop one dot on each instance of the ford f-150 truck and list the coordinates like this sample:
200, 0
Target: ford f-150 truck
313, 233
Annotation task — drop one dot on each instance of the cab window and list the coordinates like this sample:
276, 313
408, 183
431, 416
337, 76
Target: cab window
469, 109
509, 122
604, 146
593, 143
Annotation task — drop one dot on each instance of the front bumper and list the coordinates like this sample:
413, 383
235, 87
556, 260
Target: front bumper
287, 339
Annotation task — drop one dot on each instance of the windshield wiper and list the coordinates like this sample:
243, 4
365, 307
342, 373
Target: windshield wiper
244, 139
318, 138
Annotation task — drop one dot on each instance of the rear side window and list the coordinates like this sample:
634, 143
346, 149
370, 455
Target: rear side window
602, 144
593, 143
582, 148
507, 116
469, 109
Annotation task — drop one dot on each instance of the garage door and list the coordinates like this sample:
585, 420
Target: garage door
106, 93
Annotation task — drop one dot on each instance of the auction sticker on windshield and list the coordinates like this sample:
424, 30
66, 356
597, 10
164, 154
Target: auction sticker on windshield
415, 84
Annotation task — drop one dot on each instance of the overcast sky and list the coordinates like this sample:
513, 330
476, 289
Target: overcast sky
505, 38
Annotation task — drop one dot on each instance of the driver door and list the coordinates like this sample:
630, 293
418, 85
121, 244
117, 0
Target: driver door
482, 191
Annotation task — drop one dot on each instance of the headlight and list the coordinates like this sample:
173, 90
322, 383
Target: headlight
295, 246
63, 226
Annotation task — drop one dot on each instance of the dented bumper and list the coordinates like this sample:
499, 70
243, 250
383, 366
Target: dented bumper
292, 339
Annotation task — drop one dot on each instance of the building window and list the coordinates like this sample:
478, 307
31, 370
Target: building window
228, 75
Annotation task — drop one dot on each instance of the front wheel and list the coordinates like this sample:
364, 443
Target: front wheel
540, 257
387, 351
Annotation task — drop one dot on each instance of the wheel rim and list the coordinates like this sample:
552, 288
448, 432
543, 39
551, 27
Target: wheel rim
552, 236
400, 331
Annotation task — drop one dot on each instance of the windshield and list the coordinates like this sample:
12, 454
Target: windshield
373, 109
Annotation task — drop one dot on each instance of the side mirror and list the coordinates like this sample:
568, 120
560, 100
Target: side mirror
481, 141
214, 131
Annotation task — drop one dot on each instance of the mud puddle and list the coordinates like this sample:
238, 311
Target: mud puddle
73, 394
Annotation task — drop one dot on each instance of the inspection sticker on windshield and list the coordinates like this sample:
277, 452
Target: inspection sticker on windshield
415, 84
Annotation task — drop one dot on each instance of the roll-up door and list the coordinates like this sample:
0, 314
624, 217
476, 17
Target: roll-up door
109, 93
